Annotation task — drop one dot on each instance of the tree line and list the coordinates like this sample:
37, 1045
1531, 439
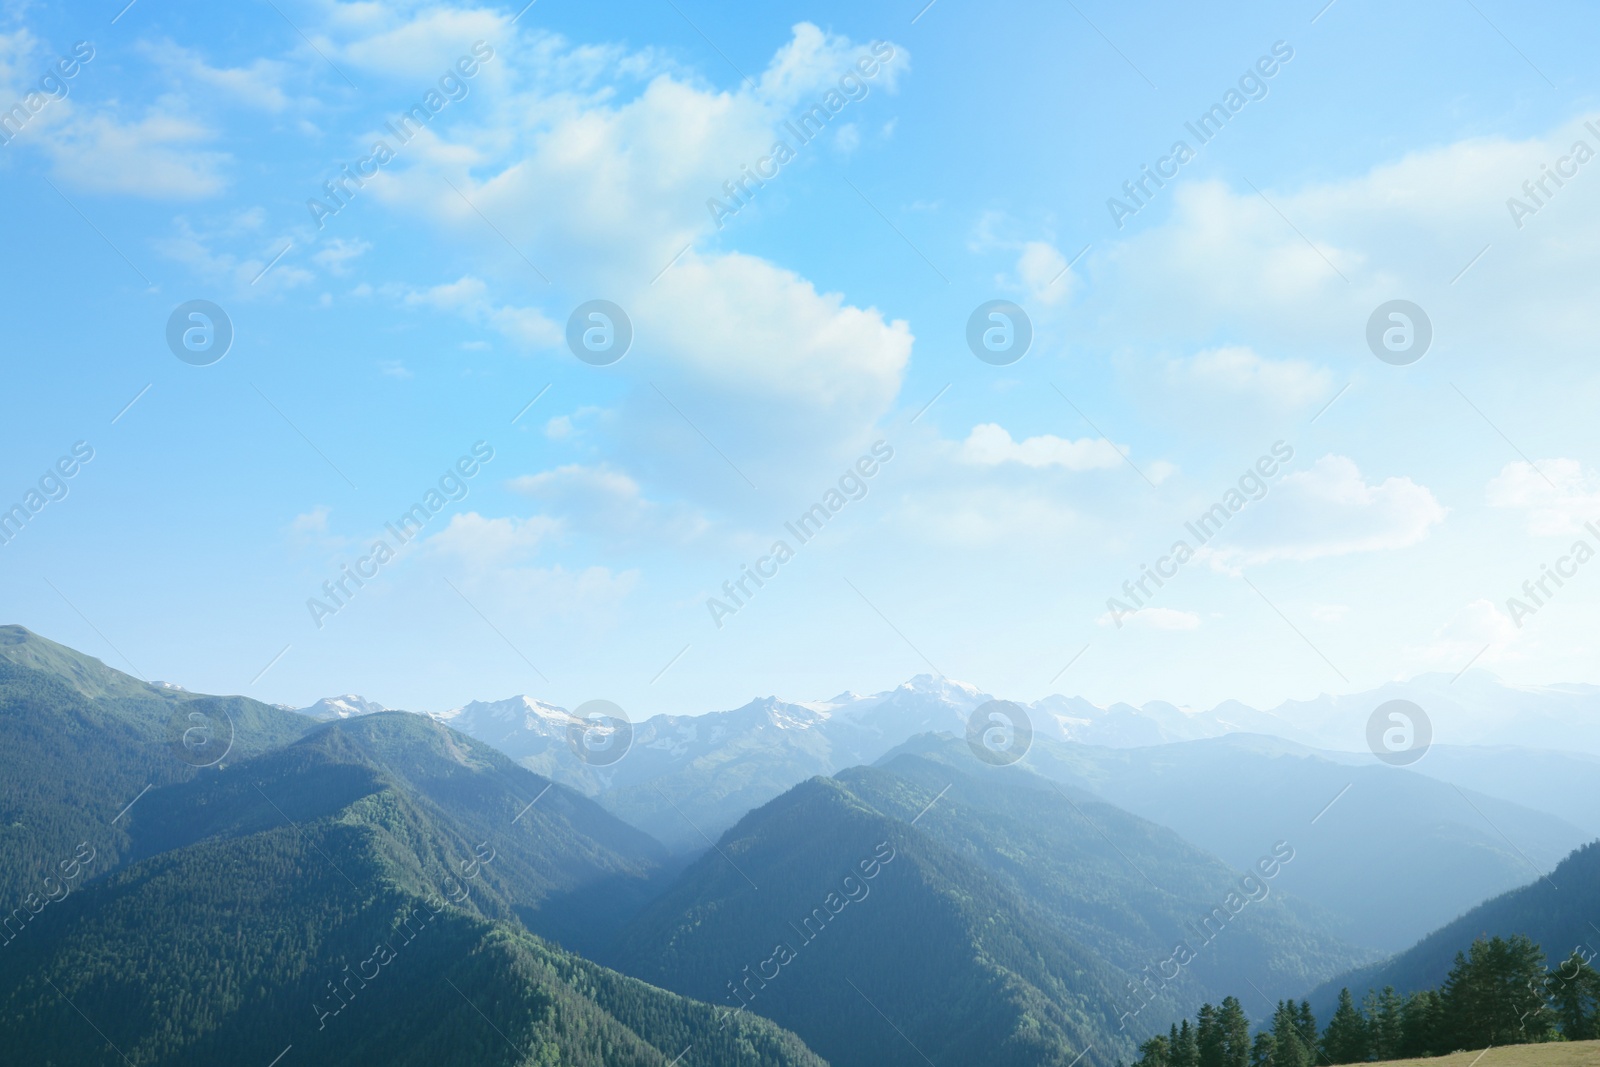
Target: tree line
1501, 991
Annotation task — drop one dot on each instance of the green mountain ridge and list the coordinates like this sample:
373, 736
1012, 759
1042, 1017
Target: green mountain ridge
874, 943
356, 892
1559, 910
1126, 887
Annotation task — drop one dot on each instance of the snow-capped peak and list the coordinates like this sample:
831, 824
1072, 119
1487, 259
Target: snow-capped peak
519, 709
342, 707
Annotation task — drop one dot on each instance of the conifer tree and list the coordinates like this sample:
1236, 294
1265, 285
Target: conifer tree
1235, 1029
1575, 991
1383, 1012
1495, 995
1308, 1027
1208, 1036
1263, 1053
1291, 1049
1186, 1046
1347, 1039
1421, 1019
1156, 1052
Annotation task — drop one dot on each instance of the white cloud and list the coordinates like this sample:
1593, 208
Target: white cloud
468, 296
607, 502
990, 445
337, 253
194, 248
1478, 633
576, 480
1329, 510
613, 187
1044, 274
314, 521
1239, 369
484, 542
1155, 619
1224, 259
258, 85
156, 156
1556, 507
421, 46
812, 62
751, 329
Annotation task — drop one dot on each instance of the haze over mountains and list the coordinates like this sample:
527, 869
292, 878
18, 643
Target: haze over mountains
1466, 822
840, 882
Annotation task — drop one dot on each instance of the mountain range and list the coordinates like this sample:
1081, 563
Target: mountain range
1464, 823
190, 878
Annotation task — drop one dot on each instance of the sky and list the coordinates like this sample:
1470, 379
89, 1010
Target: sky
395, 309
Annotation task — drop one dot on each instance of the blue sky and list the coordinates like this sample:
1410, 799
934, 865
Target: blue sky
774, 346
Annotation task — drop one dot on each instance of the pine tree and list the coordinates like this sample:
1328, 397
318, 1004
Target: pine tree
1235, 1029
1308, 1027
1291, 1048
1156, 1052
1421, 1021
1347, 1039
1495, 995
1385, 1027
1575, 990
1186, 1046
1264, 1052
1208, 1036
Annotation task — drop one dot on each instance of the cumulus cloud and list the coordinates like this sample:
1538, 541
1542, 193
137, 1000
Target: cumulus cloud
752, 329
483, 542
613, 185
1043, 270
1557, 495
314, 521
1224, 259
990, 445
1330, 510
410, 45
